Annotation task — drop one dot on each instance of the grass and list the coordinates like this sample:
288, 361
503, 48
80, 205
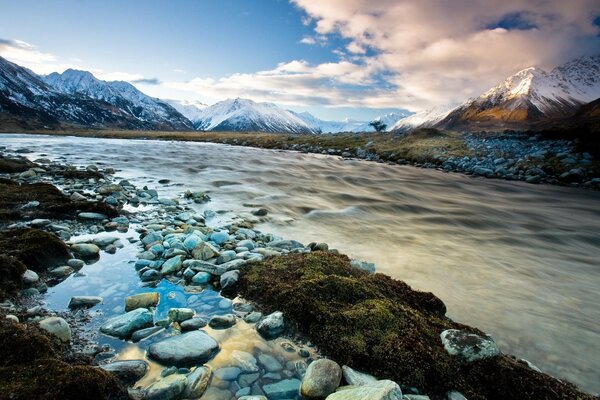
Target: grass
380, 325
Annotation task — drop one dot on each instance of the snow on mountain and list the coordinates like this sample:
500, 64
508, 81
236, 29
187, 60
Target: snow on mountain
192, 110
422, 119
247, 115
530, 96
120, 94
348, 125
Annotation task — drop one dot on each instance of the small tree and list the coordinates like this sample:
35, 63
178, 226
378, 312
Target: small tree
378, 125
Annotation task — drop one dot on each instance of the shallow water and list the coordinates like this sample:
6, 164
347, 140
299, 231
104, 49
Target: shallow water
519, 261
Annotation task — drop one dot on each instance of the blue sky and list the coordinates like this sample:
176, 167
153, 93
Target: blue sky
331, 58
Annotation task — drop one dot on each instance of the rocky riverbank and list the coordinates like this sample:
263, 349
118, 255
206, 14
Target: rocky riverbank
192, 335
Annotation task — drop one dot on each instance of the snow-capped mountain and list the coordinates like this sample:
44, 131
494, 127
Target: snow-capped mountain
192, 110
121, 95
422, 119
27, 101
247, 115
348, 125
530, 96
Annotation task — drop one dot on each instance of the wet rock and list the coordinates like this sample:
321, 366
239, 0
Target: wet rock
193, 324
92, 216
222, 321
186, 349
30, 277
204, 251
229, 280
261, 212
61, 272
168, 388
152, 238
144, 333
180, 314
270, 363
253, 317
321, 379
57, 327
226, 256
85, 250
227, 373
219, 237
285, 389
365, 266
196, 383
124, 325
454, 395
150, 275
129, 371
84, 301
201, 277
172, 265
244, 360
286, 245
271, 326
468, 346
380, 390
142, 300
356, 378
256, 397
75, 263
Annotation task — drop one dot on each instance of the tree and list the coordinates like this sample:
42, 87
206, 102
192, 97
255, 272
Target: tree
378, 125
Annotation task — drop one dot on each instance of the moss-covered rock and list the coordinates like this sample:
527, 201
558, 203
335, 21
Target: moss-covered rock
382, 326
36, 249
11, 272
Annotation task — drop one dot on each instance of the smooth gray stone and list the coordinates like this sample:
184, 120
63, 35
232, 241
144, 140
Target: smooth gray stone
129, 371
124, 325
189, 348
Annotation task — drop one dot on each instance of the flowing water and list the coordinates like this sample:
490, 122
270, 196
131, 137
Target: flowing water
519, 261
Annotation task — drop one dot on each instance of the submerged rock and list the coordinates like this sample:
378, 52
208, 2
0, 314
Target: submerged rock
196, 383
285, 389
186, 349
167, 388
124, 325
84, 301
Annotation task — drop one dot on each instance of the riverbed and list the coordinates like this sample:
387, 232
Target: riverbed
519, 261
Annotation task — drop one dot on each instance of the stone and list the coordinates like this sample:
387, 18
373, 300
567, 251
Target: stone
150, 275
201, 277
380, 390
321, 379
219, 237
13, 318
172, 265
92, 216
167, 388
204, 251
226, 256
124, 325
469, 346
286, 245
75, 263
455, 395
76, 196
222, 321
180, 314
196, 383
229, 279
142, 300
365, 266
193, 324
110, 189
227, 373
85, 250
271, 326
244, 360
151, 238
144, 333
253, 317
189, 348
30, 277
84, 301
261, 212
128, 371
57, 327
252, 398
246, 380
61, 272
270, 363
247, 243
285, 389
356, 378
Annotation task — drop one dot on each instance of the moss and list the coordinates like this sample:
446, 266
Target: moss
31, 369
11, 165
11, 272
380, 325
53, 203
36, 249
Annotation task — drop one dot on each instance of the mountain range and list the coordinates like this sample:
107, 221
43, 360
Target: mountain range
529, 99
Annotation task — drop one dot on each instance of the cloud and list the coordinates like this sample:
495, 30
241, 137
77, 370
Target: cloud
23, 53
308, 40
438, 51
147, 81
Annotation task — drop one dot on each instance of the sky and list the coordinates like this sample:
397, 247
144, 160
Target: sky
334, 58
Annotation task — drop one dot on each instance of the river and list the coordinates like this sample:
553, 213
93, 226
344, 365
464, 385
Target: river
519, 261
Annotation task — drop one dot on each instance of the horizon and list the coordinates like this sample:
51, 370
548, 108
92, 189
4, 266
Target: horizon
331, 59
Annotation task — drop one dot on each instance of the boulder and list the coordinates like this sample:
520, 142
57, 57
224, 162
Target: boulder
180, 314
189, 348
321, 379
204, 251
229, 279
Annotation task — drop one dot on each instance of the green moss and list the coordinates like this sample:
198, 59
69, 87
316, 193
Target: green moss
380, 325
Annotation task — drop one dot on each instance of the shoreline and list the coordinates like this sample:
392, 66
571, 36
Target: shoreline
178, 219
518, 157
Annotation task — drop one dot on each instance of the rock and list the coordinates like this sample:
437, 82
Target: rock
227, 373
286, 245
30, 277
57, 327
61, 272
204, 251
86, 250
226, 256
84, 301
109, 189
261, 212
355, 378
189, 348
76, 196
222, 321
201, 277
75, 263
247, 243
196, 383
128, 372
141, 300
219, 237
483, 171
270, 363
468, 346
321, 379
365, 266
253, 317
180, 314
13, 318
380, 390
285, 389
252, 398
150, 275
454, 395
172, 265
144, 333
92, 216
193, 324
168, 388
124, 325
271, 326
151, 238
229, 279
244, 360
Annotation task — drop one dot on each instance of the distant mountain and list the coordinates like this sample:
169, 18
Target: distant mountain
192, 110
348, 125
151, 112
423, 119
530, 97
246, 115
26, 101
